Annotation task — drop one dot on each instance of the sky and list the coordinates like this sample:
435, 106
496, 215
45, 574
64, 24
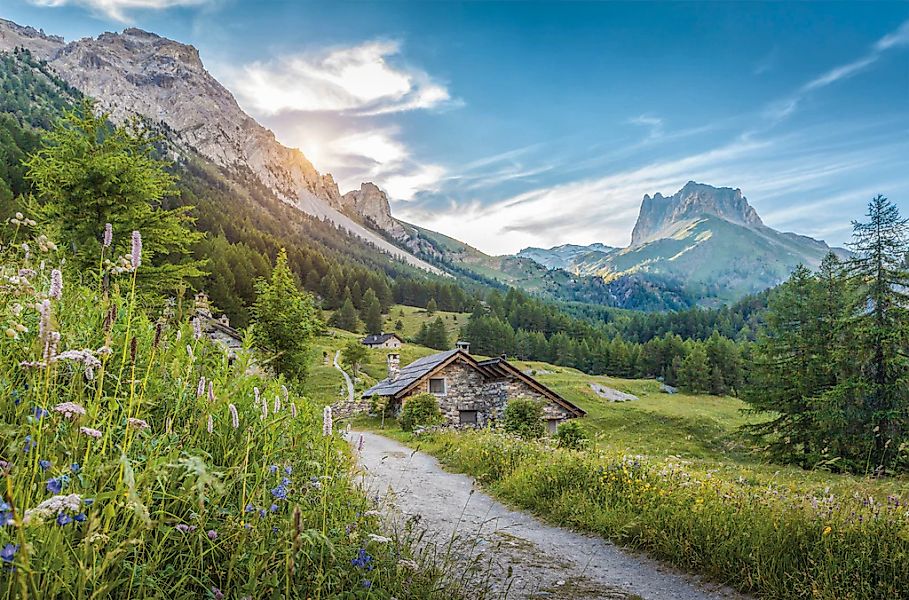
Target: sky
512, 124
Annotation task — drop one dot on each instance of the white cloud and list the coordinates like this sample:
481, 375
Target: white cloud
118, 9
654, 124
356, 79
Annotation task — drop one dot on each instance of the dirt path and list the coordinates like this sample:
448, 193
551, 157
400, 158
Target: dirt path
350, 387
545, 561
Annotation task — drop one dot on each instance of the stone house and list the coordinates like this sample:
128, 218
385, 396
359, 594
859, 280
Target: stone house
382, 340
471, 392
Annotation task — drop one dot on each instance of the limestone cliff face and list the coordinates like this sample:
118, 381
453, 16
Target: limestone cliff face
660, 213
140, 73
371, 204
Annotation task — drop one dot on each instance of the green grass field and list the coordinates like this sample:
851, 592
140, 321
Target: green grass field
413, 317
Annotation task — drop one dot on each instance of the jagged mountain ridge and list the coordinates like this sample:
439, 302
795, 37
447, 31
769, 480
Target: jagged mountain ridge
140, 73
709, 240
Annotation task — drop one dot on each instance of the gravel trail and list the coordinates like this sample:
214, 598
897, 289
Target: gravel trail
350, 387
545, 561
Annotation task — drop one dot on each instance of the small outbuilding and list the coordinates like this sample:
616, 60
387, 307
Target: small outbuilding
382, 340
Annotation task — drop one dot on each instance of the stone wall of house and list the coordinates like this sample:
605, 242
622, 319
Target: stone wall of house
468, 390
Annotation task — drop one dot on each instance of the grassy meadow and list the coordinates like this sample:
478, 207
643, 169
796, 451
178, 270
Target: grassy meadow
673, 476
138, 461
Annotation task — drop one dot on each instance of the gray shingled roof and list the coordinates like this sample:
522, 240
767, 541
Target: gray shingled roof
378, 338
409, 374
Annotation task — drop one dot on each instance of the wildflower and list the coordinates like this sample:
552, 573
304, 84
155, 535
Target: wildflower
55, 484
64, 519
234, 417
212, 534
362, 560
285, 392
184, 528
29, 444
137, 423
85, 356
211, 425
827, 530
44, 464
70, 410
372, 513
211, 391
94, 433
108, 235
56, 285
6, 518
50, 346
135, 256
280, 492
264, 410
366, 583
293, 410
273, 508
256, 393
326, 421
197, 328
379, 539
273, 469
277, 406
288, 470
9, 552
261, 512
249, 508
200, 389
406, 563
44, 310
80, 517
218, 594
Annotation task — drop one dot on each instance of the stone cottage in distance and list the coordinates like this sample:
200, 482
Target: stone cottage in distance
471, 392
382, 340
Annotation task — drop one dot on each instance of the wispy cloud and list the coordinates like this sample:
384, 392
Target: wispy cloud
119, 10
652, 123
359, 79
781, 109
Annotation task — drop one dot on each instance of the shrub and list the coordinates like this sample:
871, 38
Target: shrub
571, 435
524, 417
421, 410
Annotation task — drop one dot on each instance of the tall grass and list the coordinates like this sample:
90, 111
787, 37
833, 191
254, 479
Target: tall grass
775, 541
138, 461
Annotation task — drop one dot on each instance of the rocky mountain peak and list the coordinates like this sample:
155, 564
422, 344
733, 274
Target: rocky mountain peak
659, 213
40, 44
371, 204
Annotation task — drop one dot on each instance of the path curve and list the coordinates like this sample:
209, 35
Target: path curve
546, 561
350, 387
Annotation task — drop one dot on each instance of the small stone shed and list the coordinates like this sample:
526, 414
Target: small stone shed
382, 340
471, 392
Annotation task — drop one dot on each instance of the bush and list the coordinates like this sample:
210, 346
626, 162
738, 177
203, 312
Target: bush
421, 410
524, 416
571, 435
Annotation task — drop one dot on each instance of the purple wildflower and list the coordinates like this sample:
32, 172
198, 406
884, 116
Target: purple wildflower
136, 253
55, 484
288, 469
94, 433
211, 391
273, 508
363, 560
366, 583
184, 528
56, 285
44, 464
39, 413
277, 406
234, 417
211, 425
108, 235
64, 519
6, 518
197, 328
200, 389
293, 410
280, 492
249, 508
218, 594
326, 421
212, 534
9, 552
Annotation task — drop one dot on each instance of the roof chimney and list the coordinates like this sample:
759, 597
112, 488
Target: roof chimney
463, 346
394, 365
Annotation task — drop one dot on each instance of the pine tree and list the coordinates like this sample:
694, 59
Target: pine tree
285, 320
694, 374
373, 317
346, 317
436, 335
431, 307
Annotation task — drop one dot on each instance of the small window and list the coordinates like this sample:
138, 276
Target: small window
437, 386
467, 417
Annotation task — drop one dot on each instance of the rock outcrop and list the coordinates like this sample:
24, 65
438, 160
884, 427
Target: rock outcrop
140, 73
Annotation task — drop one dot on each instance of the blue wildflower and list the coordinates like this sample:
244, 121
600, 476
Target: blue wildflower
80, 517
64, 519
75, 468
280, 492
6, 518
249, 508
8, 552
5, 507
39, 412
273, 508
16, 398
88, 501
285, 481
363, 560
29, 444
288, 469
273, 469
44, 464
55, 485
261, 512
366, 583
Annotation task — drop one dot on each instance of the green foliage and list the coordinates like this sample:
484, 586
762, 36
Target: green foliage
421, 410
372, 312
88, 173
399, 325
694, 374
346, 317
285, 321
524, 417
431, 307
571, 435
434, 335
354, 354
163, 491
832, 363
765, 538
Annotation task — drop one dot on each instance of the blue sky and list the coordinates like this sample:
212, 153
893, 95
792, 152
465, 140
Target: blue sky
512, 124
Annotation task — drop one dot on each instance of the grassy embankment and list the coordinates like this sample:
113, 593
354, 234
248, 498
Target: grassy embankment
671, 475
